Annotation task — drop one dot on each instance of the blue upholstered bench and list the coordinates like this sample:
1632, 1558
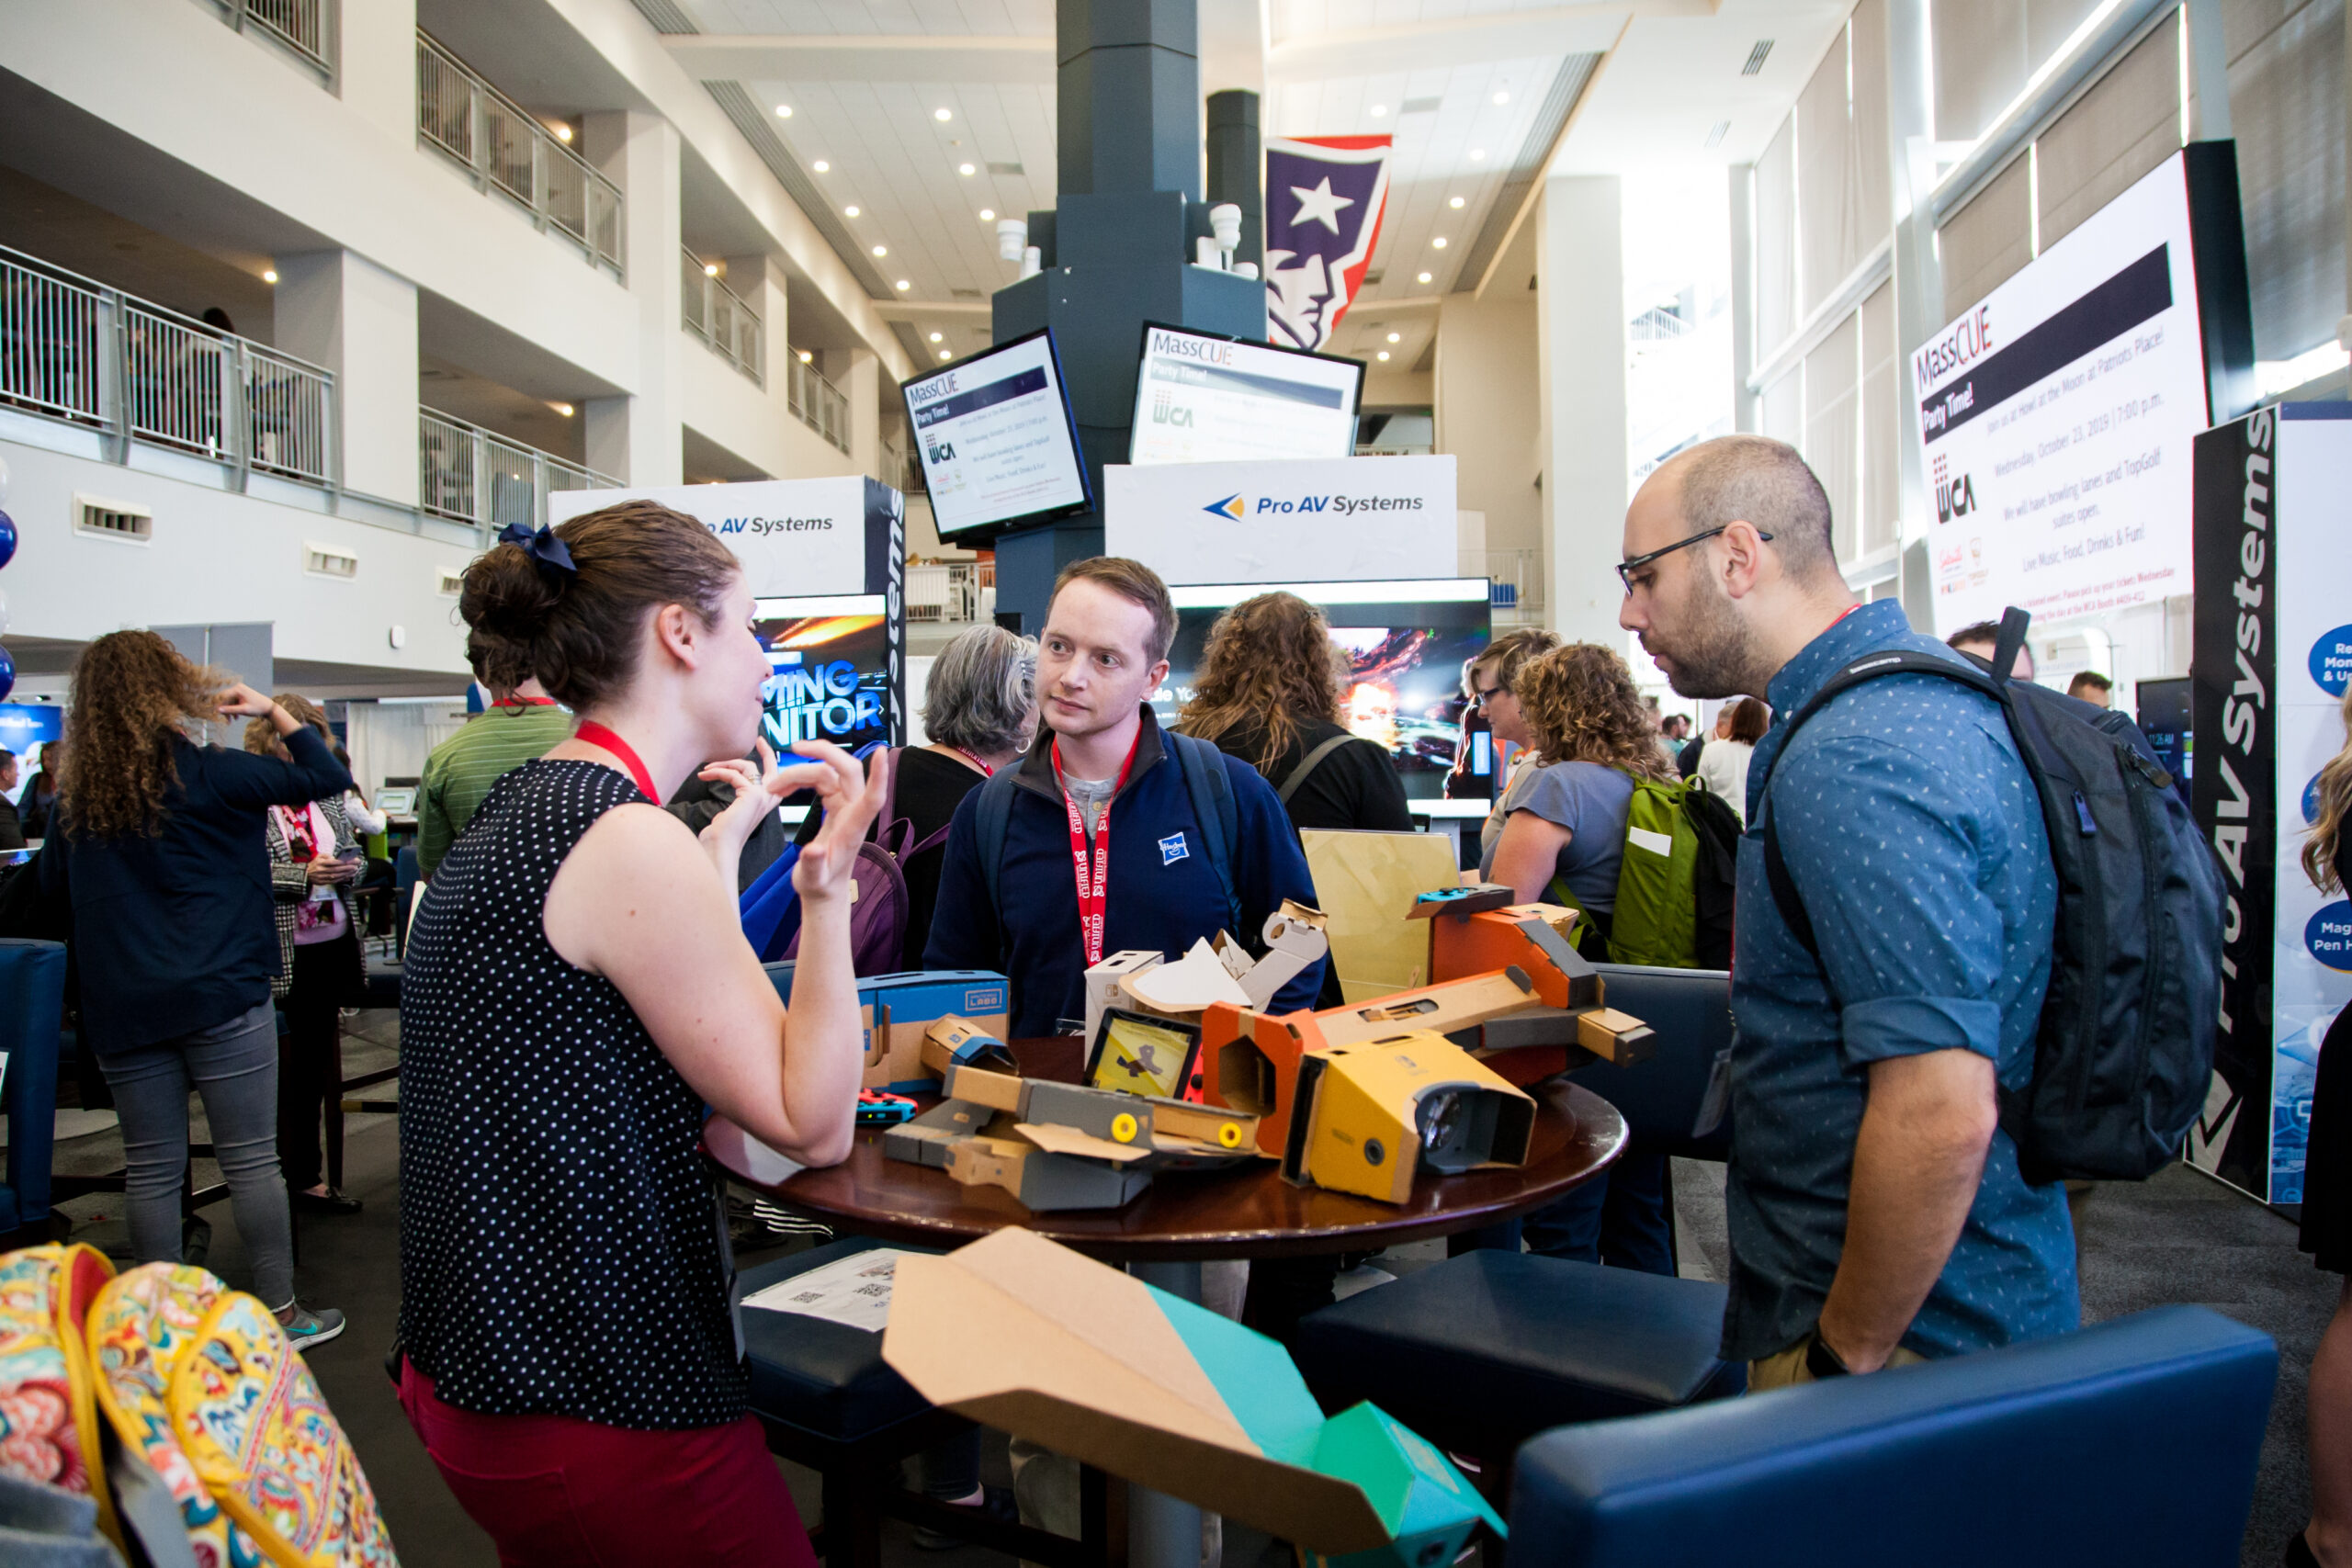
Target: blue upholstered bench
829, 1401
2134, 1442
32, 1008
1483, 1351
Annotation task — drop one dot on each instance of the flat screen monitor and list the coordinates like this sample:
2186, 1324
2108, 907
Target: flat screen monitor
28, 729
1205, 398
2056, 413
997, 440
830, 663
1406, 642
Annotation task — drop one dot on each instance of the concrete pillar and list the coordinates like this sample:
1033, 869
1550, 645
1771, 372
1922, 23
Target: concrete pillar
1487, 401
342, 310
1237, 167
376, 70
1919, 276
1581, 310
637, 437
864, 388
1127, 93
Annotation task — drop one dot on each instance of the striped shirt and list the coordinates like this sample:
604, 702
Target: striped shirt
458, 775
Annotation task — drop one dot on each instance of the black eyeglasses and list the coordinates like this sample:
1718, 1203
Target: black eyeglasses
1626, 569
1485, 694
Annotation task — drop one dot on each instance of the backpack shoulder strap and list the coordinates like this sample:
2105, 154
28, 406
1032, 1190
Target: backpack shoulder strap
1204, 779
1870, 667
1307, 764
992, 821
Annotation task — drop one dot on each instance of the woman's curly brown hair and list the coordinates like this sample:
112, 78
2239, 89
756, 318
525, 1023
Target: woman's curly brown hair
1581, 707
131, 692
1270, 662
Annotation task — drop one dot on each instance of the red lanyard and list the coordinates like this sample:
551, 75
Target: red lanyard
986, 771
524, 703
597, 735
1092, 868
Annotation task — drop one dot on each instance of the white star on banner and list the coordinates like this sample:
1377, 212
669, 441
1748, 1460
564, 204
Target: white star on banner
1319, 205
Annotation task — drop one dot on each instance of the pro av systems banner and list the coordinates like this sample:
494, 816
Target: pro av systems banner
1333, 520
2272, 655
826, 560
2055, 416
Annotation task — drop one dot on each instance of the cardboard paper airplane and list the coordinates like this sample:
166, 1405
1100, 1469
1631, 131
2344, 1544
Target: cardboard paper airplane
1032, 1338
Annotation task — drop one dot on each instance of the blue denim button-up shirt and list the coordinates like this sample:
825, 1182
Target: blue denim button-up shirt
1914, 837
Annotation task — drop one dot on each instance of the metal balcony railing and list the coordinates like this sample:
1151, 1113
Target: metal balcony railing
817, 402
1515, 580
305, 26
470, 475
75, 350
506, 149
718, 316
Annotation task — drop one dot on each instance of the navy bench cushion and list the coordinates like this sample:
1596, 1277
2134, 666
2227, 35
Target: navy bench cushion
826, 1379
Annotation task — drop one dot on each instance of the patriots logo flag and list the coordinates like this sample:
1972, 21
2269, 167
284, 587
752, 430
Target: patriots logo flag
1324, 199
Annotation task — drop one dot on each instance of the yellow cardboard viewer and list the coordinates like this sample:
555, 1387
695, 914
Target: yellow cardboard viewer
1369, 1117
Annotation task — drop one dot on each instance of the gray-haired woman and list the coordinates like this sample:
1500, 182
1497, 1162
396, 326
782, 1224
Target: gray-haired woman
979, 709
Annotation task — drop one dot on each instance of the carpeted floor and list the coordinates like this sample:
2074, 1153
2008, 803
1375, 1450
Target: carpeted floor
2180, 1238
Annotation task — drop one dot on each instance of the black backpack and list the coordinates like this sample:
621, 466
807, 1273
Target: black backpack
2124, 1053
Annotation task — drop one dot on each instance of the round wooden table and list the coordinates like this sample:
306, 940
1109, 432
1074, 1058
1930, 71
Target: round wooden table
1187, 1217
1181, 1221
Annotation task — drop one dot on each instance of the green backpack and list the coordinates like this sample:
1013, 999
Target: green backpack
1675, 882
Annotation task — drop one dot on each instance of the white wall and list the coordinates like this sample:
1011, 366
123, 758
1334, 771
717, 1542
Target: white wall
1488, 406
216, 555
342, 310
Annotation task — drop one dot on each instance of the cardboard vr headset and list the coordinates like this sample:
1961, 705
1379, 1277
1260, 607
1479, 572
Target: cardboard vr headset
898, 1010
1028, 1336
1209, 973
1140, 1131
1370, 1117
1250, 1060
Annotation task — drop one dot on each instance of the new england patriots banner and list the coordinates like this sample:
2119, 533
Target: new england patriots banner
1324, 198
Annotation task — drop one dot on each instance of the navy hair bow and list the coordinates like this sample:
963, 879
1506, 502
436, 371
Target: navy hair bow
542, 547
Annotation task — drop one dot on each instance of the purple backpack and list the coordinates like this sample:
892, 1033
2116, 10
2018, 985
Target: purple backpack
879, 903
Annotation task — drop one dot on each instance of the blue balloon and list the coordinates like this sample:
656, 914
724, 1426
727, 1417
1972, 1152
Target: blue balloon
7, 674
7, 538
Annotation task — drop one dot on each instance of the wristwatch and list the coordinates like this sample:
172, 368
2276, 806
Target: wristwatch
1821, 1362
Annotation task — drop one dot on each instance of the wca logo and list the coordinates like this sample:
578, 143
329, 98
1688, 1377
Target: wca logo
1230, 508
1165, 411
1955, 498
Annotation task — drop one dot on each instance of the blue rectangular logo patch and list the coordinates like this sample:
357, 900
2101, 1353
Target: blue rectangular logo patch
1172, 849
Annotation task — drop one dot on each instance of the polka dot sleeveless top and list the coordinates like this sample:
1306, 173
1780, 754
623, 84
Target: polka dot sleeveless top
561, 1246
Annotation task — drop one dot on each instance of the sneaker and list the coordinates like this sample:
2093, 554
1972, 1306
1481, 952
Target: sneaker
996, 1503
305, 1328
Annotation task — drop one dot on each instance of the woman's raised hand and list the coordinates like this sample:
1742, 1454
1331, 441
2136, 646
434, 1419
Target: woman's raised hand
850, 804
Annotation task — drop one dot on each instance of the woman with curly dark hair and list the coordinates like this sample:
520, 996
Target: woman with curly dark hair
1272, 691
1563, 831
159, 843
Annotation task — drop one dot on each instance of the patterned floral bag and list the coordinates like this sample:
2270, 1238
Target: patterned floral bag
49, 1420
250, 1420
142, 1324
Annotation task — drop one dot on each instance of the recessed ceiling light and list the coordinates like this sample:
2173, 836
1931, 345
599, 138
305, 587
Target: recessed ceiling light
988, 214
965, 169
903, 286
563, 409
563, 134
1503, 97
806, 356
1384, 354
1453, 201
943, 116
711, 269
821, 166
881, 250
938, 337
1379, 109
1437, 242
784, 111
850, 211
946, 354
269, 275
1425, 278
1396, 337
1476, 153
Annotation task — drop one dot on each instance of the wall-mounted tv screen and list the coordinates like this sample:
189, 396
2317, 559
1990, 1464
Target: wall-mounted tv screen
1205, 398
830, 663
996, 438
2056, 413
1406, 642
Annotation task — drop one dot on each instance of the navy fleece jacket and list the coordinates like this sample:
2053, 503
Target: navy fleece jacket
1162, 896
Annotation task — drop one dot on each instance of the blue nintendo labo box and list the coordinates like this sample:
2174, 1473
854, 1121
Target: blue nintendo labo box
897, 1008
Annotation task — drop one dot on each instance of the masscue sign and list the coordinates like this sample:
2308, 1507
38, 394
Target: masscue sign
1336, 520
796, 538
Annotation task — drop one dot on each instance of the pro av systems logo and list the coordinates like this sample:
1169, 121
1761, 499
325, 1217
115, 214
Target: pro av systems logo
1954, 498
1230, 508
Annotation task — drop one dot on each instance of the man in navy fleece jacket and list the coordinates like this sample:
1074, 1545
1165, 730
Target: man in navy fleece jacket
1104, 758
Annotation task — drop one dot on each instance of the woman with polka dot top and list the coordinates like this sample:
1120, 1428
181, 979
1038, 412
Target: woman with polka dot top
577, 991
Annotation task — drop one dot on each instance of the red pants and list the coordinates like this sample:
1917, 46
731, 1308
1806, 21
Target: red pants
558, 1491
